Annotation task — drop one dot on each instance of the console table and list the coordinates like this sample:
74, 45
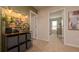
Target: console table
16, 42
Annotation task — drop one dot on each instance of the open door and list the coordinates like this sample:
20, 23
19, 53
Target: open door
59, 27
33, 25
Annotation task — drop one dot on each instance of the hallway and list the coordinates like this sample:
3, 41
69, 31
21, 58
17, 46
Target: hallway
55, 45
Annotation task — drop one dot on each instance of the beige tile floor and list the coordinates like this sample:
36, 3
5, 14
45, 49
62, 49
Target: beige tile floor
54, 45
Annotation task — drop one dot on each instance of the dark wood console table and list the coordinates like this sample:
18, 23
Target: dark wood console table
16, 42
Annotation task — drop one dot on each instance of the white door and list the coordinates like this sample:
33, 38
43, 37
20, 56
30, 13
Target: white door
33, 25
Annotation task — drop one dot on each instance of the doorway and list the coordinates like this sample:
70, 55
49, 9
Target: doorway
56, 30
60, 28
33, 25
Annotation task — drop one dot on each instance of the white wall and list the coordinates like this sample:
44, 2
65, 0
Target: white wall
43, 25
0, 29
71, 37
0, 34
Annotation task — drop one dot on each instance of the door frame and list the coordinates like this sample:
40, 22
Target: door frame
53, 11
32, 12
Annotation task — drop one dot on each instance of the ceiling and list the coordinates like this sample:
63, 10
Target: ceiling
40, 7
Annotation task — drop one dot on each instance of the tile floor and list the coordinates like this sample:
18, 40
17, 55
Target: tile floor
54, 45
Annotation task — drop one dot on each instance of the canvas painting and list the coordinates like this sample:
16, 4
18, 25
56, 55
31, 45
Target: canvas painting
73, 20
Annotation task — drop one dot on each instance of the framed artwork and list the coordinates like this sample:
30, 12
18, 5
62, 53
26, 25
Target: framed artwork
73, 20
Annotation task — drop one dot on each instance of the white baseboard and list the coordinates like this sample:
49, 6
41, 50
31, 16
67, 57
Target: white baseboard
72, 45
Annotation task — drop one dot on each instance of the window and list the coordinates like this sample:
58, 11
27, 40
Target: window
54, 25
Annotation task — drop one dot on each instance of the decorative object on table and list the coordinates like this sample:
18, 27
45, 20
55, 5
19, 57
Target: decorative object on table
73, 20
20, 20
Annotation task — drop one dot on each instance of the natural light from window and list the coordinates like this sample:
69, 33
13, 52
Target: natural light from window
54, 25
